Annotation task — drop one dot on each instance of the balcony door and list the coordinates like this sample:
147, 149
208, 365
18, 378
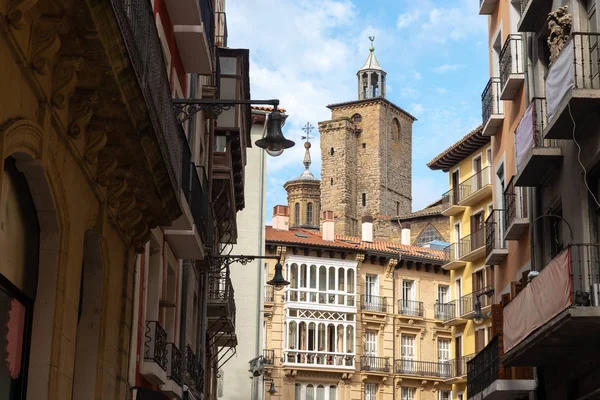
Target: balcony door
371, 348
444, 357
409, 296
458, 355
457, 296
407, 348
477, 237
371, 291
455, 187
478, 182
443, 297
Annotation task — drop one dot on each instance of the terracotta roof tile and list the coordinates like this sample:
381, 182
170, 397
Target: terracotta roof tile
301, 236
267, 108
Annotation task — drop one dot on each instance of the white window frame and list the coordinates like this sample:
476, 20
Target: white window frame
371, 390
408, 393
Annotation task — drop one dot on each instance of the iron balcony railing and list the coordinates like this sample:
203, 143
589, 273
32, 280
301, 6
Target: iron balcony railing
155, 344
484, 299
269, 294
464, 305
586, 59
410, 308
529, 133
268, 357
490, 100
452, 197
460, 365
220, 288
221, 29
191, 364
472, 242
584, 263
174, 363
441, 369
516, 203
375, 364
511, 57
453, 252
137, 23
374, 303
208, 20
494, 229
475, 182
444, 311
200, 381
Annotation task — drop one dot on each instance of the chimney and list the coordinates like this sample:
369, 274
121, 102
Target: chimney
405, 238
281, 218
367, 229
328, 226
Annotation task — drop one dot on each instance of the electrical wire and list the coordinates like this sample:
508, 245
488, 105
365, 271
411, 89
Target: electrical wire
579, 159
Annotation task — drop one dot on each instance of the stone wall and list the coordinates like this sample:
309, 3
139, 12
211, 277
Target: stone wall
355, 163
303, 193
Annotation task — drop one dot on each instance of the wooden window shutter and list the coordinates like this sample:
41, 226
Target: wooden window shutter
489, 276
497, 318
479, 340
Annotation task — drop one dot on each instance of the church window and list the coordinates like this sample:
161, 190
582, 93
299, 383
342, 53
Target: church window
397, 208
332, 151
428, 235
364, 199
395, 129
309, 214
297, 214
356, 118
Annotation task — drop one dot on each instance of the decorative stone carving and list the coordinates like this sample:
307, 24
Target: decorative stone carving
434, 388
96, 138
46, 44
64, 80
398, 383
117, 185
17, 11
107, 163
559, 28
82, 114
423, 383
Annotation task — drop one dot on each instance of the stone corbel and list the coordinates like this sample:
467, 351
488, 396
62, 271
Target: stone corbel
383, 381
423, 383
398, 383
434, 388
46, 44
65, 80
96, 137
281, 250
390, 267
117, 185
363, 378
360, 257
82, 114
107, 163
17, 11
423, 333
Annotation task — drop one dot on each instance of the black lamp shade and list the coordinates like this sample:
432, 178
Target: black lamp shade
278, 282
274, 143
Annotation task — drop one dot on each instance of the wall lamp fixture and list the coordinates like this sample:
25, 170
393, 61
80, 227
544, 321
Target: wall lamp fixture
278, 282
479, 316
274, 142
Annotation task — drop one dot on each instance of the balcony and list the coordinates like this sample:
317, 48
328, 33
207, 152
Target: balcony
459, 368
268, 357
269, 294
511, 67
221, 30
375, 364
221, 309
172, 386
450, 200
476, 188
426, 369
452, 254
192, 366
495, 245
376, 304
315, 296
533, 15
465, 306
188, 241
488, 379
472, 247
194, 26
517, 217
534, 155
443, 311
321, 359
154, 367
573, 86
487, 7
410, 308
492, 108
453, 312
557, 315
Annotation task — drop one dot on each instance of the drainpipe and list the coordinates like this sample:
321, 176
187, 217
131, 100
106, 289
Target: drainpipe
184, 305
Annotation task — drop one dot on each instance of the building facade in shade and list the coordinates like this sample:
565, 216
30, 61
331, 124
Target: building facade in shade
359, 319
248, 280
366, 156
545, 55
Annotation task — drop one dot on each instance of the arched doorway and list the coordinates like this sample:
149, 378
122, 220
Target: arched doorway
19, 260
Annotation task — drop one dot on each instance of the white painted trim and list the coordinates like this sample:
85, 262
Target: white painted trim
328, 262
457, 169
475, 156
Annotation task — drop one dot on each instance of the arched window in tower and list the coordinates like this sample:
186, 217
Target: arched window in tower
297, 214
309, 214
356, 118
395, 129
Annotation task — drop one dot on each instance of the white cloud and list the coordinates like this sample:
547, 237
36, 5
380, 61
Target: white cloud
416, 108
445, 68
409, 92
417, 76
406, 19
441, 90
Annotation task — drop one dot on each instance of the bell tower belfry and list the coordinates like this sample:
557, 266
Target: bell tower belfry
371, 77
366, 156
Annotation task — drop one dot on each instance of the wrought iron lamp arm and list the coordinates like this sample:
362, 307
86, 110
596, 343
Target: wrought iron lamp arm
185, 109
225, 261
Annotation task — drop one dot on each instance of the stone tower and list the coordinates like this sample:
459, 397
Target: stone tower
304, 194
366, 152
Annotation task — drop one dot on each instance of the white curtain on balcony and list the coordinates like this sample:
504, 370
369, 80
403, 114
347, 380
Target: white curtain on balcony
524, 136
560, 79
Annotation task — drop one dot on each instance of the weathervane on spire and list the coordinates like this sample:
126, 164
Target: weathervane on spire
372, 39
308, 129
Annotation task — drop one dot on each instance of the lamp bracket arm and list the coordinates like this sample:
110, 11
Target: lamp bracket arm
185, 109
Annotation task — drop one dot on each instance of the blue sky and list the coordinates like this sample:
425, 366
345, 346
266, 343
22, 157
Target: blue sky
306, 53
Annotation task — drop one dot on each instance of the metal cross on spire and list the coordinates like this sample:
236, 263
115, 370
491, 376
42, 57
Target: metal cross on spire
372, 39
308, 129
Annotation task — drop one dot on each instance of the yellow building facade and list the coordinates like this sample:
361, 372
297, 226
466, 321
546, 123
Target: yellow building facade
359, 319
473, 221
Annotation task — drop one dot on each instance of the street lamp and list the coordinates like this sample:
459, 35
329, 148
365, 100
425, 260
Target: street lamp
274, 143
272, 390
278, 282
478, 317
